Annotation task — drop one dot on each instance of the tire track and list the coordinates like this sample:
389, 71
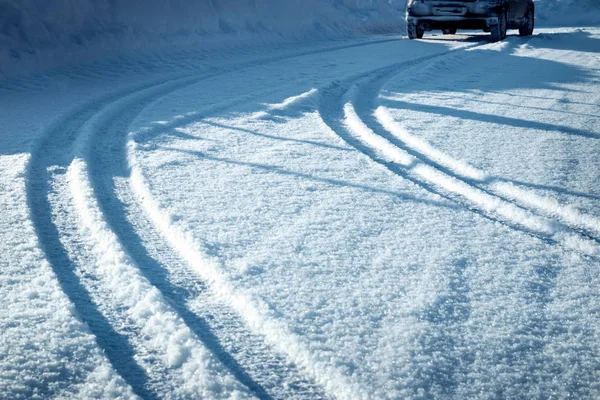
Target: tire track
256, 315
350, 108
338, 111
585, 224
51, 165
128, 326
47, 159
191, 367
81, 255
46, 172
380, 120
109, 172
92, 300
542, 330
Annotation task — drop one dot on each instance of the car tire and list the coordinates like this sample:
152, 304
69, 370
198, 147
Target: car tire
414, 32
527, 28
498, 31
449, 31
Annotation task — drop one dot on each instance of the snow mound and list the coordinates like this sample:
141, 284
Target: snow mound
37, 35
568, 12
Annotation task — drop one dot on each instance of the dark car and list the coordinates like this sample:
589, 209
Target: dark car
494, 16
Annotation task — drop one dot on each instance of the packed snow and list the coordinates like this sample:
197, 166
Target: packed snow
268, 199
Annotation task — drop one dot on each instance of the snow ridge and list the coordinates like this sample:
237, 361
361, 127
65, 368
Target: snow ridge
36, 36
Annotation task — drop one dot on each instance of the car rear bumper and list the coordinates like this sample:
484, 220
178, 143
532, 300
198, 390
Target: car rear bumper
451, 21
465, 9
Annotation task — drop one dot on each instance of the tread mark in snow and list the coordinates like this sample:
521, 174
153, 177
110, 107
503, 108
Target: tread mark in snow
50, 154
47, 157
338, 111
105, 167
115, 345
586, 225
252, 312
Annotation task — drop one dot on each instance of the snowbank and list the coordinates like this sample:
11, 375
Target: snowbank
36, 35
568, 12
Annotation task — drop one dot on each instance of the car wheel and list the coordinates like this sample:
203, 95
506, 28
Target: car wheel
527, 28
449, 31
414, 32
498, 31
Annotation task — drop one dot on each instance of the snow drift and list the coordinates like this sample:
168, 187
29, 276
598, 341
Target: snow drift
568, 12
36, 35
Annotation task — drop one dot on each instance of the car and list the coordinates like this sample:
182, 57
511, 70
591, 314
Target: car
494, 16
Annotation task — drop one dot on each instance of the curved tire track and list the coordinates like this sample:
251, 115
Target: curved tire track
256, 315
162, 330
382, 123
46, 184
584, 224
340, 112
351, 109
109, 173
46, 160
131, 327
50, 163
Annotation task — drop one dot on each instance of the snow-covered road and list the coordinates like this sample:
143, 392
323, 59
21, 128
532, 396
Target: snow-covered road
370, 219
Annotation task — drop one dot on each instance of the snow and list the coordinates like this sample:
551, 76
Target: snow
37, 36
568, 12
165, 332
352, 268
45, 348
237, 203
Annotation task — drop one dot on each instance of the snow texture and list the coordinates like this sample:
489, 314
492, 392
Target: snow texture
230, 204
568, 12
36, 35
